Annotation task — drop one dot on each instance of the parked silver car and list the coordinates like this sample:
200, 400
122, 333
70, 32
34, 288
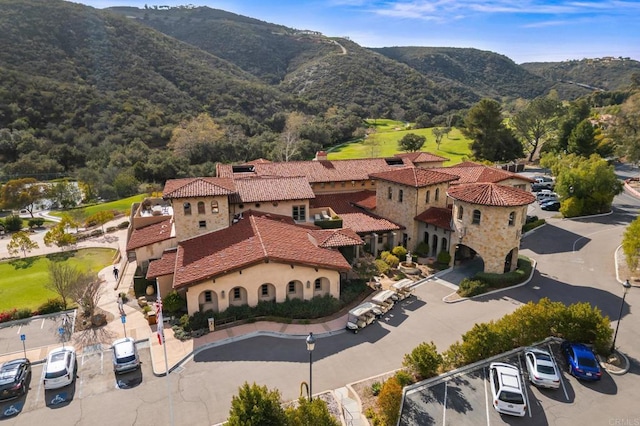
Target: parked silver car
125, 355
542, 368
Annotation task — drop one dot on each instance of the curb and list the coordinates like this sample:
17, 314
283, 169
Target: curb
525, 282
626, 365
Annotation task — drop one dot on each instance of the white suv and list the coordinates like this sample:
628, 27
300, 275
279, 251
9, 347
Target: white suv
125, 355
61, 368
506, 389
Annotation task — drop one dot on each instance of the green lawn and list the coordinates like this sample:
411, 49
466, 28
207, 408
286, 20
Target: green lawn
22, 280
455, 147
123, 205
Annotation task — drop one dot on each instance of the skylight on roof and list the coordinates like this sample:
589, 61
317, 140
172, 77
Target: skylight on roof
394, 161
248, 168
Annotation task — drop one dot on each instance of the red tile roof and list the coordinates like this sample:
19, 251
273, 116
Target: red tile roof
150, 234
346, 205
263, 189
438, 216
491, 194
166, 265
469, 172
319, 171
198, 187
415, 177
422, 157
255, 239
344, 237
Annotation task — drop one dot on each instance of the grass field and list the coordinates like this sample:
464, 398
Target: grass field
455, 147
22, 280
123, 205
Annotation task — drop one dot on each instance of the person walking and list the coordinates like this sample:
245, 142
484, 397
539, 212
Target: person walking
121, 305
115, 272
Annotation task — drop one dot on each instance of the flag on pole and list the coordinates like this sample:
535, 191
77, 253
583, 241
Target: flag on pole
160, 323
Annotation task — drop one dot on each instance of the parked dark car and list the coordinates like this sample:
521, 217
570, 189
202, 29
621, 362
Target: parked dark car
537, 187
581, 360
553, 205
15, 377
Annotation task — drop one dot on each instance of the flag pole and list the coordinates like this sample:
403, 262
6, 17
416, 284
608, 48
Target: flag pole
163, 343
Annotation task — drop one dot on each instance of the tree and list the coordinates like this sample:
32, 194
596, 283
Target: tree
372, 141
389, 400
314, 412
626, 129
100, 218
196, 140
582, 140
575, 113
58, 236
20, 242
256, 406
537, 122
491, 139
63, 278
64, 194
21, 194
631, 244
74, 218
87, 294
411, 142
365, 266
438, 133
289, 145
424, 360
587, 185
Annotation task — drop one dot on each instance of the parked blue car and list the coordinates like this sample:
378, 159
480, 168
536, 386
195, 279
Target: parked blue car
582, 362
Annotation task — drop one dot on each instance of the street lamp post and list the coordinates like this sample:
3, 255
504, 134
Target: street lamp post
311, 343
626, 286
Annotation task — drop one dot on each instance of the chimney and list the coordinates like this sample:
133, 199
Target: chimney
321, 156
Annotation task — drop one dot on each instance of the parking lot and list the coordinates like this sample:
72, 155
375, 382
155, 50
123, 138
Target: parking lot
38, 331
464, 397
95, 378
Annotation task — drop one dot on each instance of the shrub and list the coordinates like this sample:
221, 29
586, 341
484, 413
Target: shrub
51, 306
96, 233
470, 287
572, 207
384, 255
532, 225
444, 258
111, 229
422, 249
375, 388
404, 378
424, 360
36, 222
123, 225
383, 267
392, 261
399, 252
146, 309
13, 223
509, 278
389, 401
173, 302
7, 315
22, 313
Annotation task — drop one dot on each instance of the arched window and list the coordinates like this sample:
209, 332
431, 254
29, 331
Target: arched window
437, 194
400, 195
428, 197
214, 207
460, 212
200, 207
476, 217
512, 218
317, 284
187, 209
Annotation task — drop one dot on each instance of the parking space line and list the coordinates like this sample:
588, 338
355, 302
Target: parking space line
41, 323
19, 329
444, 404
553, 358
524, 388
486, 394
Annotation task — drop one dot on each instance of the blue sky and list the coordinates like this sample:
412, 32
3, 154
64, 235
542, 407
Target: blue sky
523, 30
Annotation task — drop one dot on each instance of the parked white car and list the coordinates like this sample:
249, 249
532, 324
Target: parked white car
506, 389
60, 369
542, 368
125, 355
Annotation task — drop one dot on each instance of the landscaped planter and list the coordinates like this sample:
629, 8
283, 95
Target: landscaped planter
409, 269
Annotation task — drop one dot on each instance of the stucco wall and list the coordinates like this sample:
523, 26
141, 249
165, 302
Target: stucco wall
283, 208
154, 251
251, 279
343, 186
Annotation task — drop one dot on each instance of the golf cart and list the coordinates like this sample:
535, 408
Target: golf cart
402, 288
384, 300
362, 315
